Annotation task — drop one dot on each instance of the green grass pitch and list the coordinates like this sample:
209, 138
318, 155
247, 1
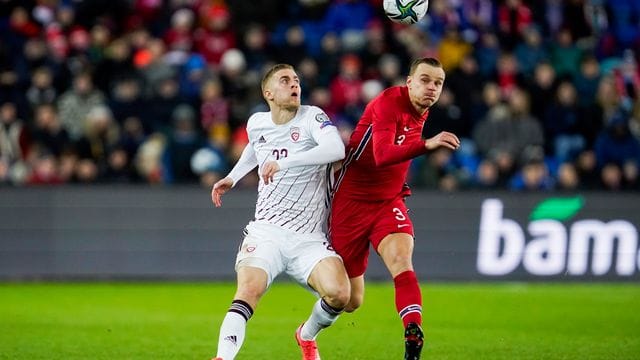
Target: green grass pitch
180, 321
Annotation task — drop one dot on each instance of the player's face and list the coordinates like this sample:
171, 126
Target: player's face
284, 90
425, 86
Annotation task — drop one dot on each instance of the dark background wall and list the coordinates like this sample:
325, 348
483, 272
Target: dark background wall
176, 233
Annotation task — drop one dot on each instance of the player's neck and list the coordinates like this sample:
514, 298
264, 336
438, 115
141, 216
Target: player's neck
281, 116
419, 109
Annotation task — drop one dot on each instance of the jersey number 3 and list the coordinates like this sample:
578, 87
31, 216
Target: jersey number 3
399, 215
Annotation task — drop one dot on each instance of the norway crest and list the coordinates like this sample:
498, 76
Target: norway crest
295, 133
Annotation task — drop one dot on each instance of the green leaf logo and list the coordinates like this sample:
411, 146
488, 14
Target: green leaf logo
557, 208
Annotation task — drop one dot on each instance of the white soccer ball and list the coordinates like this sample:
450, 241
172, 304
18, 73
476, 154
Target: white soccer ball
405, 11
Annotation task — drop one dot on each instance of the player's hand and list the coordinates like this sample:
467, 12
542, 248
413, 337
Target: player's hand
219, 188
445, 139
268, 170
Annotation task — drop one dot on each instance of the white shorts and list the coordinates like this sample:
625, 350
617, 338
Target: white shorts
276, 250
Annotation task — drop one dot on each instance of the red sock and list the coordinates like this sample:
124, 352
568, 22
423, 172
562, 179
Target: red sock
408, 297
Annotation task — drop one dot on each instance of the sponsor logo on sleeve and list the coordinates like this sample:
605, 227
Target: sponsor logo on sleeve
322, 117
324, 120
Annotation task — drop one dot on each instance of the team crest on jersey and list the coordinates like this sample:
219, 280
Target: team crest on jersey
248, 248
295, 133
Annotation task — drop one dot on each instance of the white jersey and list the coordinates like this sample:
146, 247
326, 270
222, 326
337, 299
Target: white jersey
297, 198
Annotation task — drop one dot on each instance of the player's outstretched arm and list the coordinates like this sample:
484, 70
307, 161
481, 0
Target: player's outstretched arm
219, 188
247, 162
445, 138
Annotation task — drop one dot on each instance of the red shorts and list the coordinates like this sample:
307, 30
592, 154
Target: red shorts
354, 224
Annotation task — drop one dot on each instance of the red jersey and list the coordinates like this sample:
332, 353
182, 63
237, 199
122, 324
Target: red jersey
387, 137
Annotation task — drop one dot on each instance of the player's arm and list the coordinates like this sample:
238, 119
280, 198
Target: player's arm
444, 139
329, 149
247, 162
387, 152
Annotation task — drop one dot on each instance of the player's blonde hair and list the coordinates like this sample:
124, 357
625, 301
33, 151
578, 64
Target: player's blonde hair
425, 60
269, 74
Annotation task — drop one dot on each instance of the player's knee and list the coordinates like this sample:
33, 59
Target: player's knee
249, 293
338, 296
355, 301
399, 263
340, 299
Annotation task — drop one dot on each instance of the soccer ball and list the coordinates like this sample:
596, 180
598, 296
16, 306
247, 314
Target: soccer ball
405, 11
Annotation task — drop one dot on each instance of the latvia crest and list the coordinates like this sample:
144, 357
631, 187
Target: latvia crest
295, 133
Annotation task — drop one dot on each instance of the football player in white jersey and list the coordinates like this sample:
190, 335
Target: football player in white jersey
293, 146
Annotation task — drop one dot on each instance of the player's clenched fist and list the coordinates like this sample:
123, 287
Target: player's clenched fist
268, 170
219, 188
445, 139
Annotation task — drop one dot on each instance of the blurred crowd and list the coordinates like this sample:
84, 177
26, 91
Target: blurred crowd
545, 95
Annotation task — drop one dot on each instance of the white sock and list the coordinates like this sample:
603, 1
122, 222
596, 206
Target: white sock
322, 316
232, 330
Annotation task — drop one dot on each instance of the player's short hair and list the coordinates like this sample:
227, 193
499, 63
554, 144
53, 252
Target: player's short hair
269, 74
425, 60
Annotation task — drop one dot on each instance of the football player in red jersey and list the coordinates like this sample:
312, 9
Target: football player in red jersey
368, 204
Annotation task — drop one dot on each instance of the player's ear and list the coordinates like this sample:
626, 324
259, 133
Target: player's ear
267, 94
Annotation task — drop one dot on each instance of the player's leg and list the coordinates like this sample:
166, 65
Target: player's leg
396, 251
258, 262
350, 225
357, 293
392, 237
315, 265
252, 284
329, 280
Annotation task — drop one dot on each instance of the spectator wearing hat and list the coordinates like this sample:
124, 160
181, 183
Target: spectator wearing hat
215, 35
192, 75
179, 36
